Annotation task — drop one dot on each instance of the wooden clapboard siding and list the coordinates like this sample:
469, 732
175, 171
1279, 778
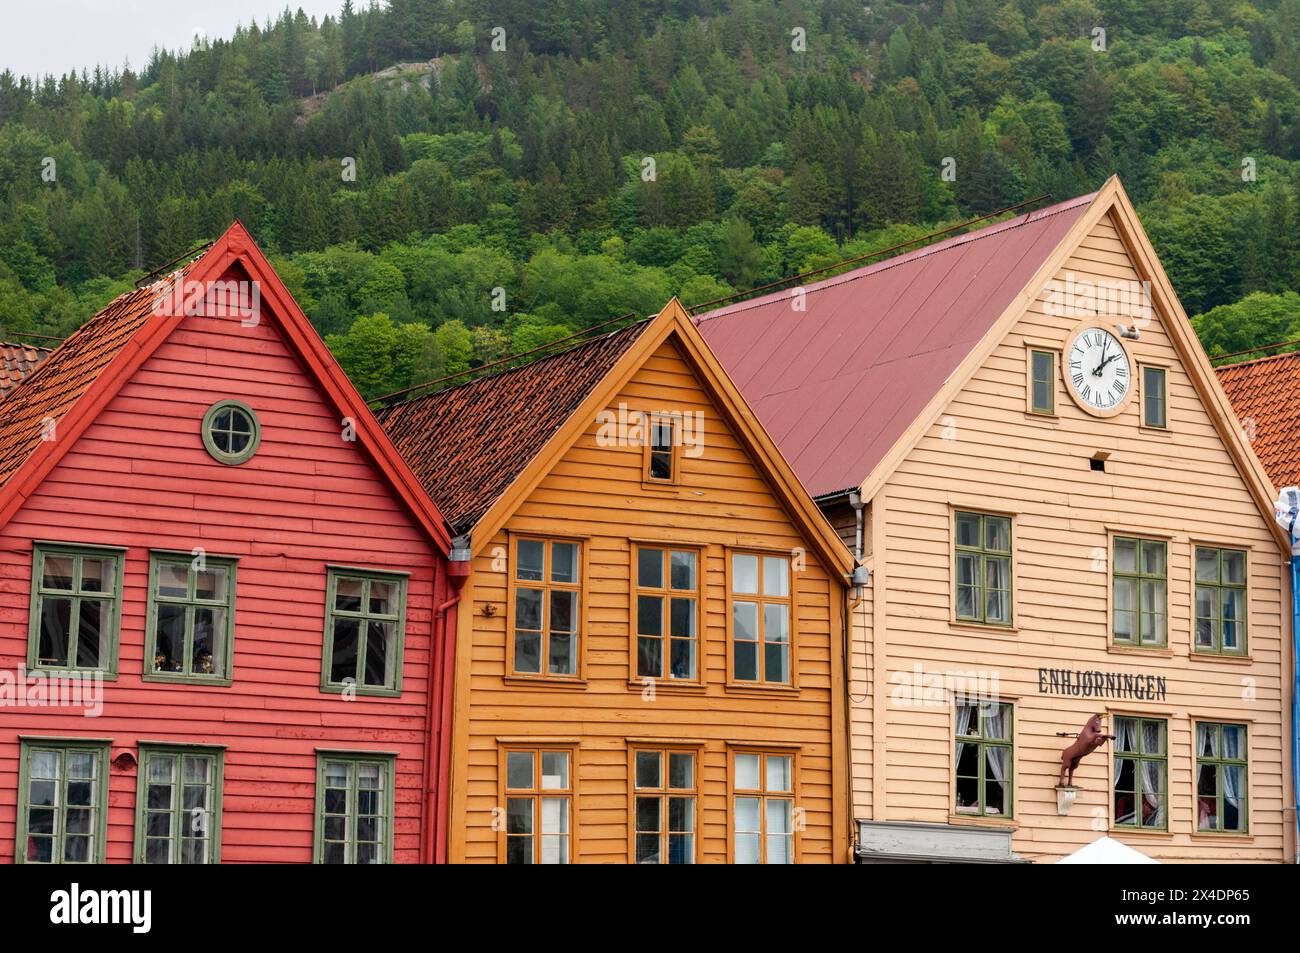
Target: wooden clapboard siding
596, 492
984, 452
140, 478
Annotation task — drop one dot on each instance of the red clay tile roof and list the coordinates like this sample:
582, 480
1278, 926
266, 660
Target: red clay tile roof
1265, 395
16, 362
837, 384
467, 444
63, 377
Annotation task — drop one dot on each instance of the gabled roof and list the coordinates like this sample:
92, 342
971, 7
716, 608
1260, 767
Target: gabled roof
1265, 394
43, 416
483, 447
17, 361
838, 380
849, 389
467, 444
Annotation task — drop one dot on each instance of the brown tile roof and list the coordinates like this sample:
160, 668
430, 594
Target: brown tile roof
16, 362
1265, 395
66, 374
469, 443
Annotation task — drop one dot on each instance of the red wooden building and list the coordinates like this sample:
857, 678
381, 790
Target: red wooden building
223, 595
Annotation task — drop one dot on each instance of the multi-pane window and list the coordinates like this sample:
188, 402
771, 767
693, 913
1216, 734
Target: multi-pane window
1042, 382
984, 749
1154, 401
983, 558
664, 806
231, 432
365, 617
763, 792
1220, 600
75, 607
667, 609
539, 804
547, 592
178, 806
1141, 773
659, 459
760, 618
190, 629
354, 809
63, 789
1140, 606
1221, 777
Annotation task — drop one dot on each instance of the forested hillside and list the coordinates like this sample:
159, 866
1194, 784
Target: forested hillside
400, 166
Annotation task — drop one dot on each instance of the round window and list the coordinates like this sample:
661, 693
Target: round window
231, 432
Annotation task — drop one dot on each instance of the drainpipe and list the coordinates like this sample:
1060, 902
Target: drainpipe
1287, 509
440, 690
860, 579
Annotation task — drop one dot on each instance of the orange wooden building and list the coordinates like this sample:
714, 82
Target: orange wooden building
649, 660
1063, 518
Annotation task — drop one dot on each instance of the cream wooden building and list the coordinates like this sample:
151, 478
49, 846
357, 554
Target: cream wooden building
1062, 518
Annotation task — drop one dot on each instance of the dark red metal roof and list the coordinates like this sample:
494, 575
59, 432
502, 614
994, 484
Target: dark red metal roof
837, 384
1265, 395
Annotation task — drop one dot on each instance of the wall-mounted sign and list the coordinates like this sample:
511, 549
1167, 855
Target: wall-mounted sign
1089, 684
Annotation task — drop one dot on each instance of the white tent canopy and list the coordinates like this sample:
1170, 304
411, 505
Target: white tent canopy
1106, 850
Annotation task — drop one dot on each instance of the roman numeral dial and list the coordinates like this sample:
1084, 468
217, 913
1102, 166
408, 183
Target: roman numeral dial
1098, 371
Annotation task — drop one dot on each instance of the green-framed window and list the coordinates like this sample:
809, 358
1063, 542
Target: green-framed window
231, 432
1154, 399
178, 804
1220, 601
1140, 579
983, 566
984, 759
1221, 778
75, 609
1141, 782
62, 793
354, 808
1042, 381
190, 628
365, 627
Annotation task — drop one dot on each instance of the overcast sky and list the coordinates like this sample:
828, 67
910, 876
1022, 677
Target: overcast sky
53, 36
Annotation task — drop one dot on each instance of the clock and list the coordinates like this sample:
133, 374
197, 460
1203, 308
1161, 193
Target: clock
1098, 370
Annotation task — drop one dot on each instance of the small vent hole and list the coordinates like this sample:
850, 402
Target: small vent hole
1097, 465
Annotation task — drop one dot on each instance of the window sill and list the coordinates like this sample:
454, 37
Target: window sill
983, 820
538, 681
197, 680
1155, 431
1152, 832
1220, 657
361, 692
1241, 836
762, 688
985, 628
1154, 650
105, 675
668, 685
1039, 415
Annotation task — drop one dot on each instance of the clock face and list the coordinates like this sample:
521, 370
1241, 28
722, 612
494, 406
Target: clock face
1098, 372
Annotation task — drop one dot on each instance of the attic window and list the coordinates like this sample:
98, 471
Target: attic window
231, 432
659, 460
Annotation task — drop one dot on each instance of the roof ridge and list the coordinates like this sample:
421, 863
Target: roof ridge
525, 366
907, 257
1257, 360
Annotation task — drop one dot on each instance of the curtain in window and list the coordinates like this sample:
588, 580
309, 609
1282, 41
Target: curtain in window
966, 719
1153, 801
1125, 735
